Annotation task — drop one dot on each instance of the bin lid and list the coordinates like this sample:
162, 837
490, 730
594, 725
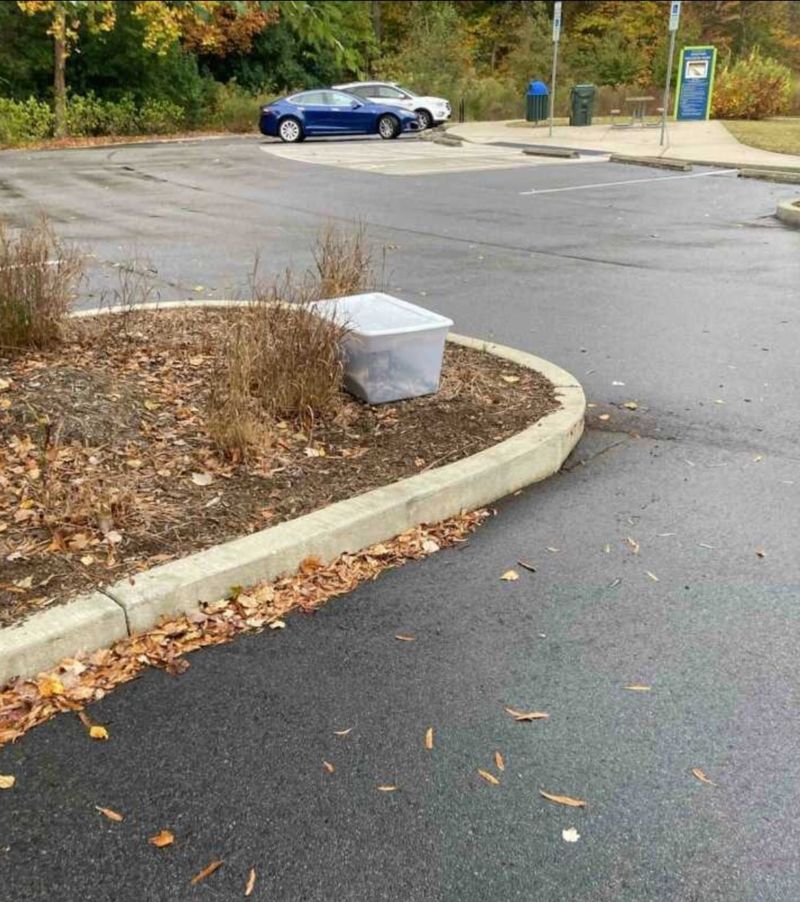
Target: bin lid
584, 90
376, 313
538, 87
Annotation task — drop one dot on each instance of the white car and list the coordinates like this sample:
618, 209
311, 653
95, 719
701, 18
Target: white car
430, 110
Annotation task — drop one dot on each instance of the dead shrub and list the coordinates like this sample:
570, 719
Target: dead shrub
38, 277
282, 357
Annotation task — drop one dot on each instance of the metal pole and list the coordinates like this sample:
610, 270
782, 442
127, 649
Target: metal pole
553, 85
666, 87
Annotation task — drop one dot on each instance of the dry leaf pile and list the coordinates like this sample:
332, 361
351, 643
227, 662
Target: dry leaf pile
78, 682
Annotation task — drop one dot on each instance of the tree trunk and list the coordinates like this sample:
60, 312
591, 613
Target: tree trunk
376, 20
59, 78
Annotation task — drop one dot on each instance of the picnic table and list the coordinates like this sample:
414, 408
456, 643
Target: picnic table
638, 108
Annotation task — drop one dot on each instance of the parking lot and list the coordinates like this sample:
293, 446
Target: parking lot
677, 292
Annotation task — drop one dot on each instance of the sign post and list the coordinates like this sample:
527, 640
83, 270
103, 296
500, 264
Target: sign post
556, 37
674, 20
695, 83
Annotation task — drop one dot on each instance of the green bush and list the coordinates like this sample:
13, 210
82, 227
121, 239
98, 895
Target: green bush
160, 116
24, 121
88, 115
754, 87
231, 108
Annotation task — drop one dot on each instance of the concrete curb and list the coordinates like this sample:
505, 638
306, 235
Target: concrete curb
656, 162
133, 605
771, 175
559, 152
789, 212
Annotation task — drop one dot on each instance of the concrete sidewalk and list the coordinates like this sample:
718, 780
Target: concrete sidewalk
695, 142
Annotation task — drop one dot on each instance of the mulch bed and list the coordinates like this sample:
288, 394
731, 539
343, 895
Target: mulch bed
106, 467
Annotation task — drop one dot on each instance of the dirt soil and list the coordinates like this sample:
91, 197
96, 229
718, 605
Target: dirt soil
106, 468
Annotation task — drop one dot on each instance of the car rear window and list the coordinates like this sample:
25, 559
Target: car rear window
308, 98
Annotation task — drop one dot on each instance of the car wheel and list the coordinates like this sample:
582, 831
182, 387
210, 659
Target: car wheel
425, 119
290, 131
388, 126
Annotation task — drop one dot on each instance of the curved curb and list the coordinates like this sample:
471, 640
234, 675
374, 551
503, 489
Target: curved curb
788, 211
135, 604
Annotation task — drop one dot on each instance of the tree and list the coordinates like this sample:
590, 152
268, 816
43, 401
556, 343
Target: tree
65, 18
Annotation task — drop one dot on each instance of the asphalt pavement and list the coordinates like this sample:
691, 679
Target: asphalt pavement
666, 555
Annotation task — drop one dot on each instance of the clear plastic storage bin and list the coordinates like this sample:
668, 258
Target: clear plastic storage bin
393, 349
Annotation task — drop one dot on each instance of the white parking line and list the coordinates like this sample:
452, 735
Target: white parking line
663, 178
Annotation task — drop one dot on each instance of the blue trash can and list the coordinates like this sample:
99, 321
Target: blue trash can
537, 101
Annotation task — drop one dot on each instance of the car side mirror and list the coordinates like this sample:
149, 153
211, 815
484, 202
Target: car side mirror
355, 104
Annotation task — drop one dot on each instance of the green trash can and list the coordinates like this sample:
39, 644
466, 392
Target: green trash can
581, 104
537, 102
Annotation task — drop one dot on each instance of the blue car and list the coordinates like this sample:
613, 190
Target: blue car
326, 112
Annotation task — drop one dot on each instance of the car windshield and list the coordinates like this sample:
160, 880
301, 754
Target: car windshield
407, 90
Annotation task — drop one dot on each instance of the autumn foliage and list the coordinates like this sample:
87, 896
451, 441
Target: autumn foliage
752, 88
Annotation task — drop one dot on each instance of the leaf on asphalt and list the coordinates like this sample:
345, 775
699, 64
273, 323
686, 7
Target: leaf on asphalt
631, 405
758, 458
523, 716
634, 545
500, 764
402, 637
251, 882
96, 731
110, 814
570, 835
202, 478
342, 732
553, 550
277, 625
387, 787
429, 738
207, 871
562, 800
490, 778
7, 781
760, 552
50, 686
510, 576
526, 566
162, 839
328, 767
607, 549
637, 687
652, 575
700, 775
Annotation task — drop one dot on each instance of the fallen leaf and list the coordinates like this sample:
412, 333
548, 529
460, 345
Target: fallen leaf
314, 452
113, 537
251, 882
553, 550
328, 767
527, 715
606, 549
50, 686
403, 638
342, 732
499, 762
510, 576
617, 383
162, 839
87, 560
634, 545
7, 781
26, 583
429, 738
510, 379
202, 478
430, 547
570, 835
761, 553
387, 787
98, 732
4, 385
490, 778
631, 405
696, 772
207, 871
652, 575
604, 416
527, 566
277, 625
637, 687
562, 800
110, 814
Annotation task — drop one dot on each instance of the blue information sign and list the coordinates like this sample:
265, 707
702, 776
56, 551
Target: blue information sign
695, 82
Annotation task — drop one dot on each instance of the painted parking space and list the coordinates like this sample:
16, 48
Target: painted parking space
412, 156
